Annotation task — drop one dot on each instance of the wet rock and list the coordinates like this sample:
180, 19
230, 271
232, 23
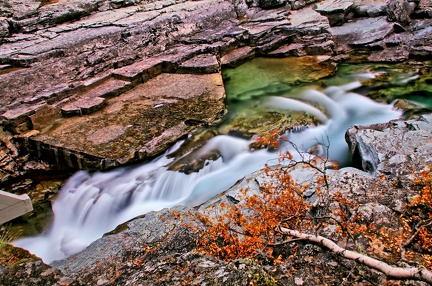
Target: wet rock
384, 148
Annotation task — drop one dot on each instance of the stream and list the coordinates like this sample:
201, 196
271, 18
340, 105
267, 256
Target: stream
91, 204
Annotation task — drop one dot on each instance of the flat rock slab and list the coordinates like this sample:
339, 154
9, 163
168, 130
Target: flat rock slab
333, 6
362, 31
308, 18
133, 126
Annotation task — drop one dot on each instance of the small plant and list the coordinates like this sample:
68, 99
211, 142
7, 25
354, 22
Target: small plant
8, 234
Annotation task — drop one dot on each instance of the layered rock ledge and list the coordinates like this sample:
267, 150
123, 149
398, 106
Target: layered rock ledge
71, 69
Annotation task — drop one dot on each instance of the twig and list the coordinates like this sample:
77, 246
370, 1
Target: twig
340, 224
284, 242
410, 240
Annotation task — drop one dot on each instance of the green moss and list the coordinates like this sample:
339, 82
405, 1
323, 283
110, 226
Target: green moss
264, 279
11, 255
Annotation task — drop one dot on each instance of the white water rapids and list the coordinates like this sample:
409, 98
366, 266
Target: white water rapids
90, 205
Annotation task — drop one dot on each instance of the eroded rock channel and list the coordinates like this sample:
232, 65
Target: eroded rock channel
99, 84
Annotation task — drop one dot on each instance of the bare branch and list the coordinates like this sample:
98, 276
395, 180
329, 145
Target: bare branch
283, 242
410, 240
390, 271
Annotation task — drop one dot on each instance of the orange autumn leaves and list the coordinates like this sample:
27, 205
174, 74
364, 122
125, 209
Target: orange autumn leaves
248, 228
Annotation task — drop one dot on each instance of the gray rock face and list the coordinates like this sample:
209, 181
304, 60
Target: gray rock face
398, 147
362, 31
400, 11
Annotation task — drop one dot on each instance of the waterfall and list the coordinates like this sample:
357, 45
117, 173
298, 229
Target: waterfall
90, 205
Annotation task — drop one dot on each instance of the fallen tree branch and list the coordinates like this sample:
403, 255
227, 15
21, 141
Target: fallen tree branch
410, 240
390, 271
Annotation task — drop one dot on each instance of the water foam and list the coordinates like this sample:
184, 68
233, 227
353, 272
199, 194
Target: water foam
90, 205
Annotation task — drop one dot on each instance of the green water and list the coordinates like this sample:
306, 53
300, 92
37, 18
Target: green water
250, 83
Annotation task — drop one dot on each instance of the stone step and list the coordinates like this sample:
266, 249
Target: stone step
204, 63
141, 71
95, 98
238, 55
83, 106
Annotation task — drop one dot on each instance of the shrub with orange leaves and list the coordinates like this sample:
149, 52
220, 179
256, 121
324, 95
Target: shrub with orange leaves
418, 221
248, 228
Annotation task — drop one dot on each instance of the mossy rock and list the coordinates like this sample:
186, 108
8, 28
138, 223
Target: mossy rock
11, 255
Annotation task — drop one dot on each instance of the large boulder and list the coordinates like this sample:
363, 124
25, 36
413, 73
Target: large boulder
397, 147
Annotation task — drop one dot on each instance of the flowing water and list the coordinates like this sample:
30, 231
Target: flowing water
90, 205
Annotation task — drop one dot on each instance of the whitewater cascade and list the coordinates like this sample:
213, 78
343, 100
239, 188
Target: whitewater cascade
90, 205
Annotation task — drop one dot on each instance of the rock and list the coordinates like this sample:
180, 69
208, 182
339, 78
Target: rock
313, 36
206, 63
360, 32
19, 9
4, 28
400, 11
237, 56
384, 148
114, 139
423, 10
336, 11
266, 4
32, 273
422, 43
141, 71
366, 8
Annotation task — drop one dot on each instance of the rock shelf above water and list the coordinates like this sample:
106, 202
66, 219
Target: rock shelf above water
66, 65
